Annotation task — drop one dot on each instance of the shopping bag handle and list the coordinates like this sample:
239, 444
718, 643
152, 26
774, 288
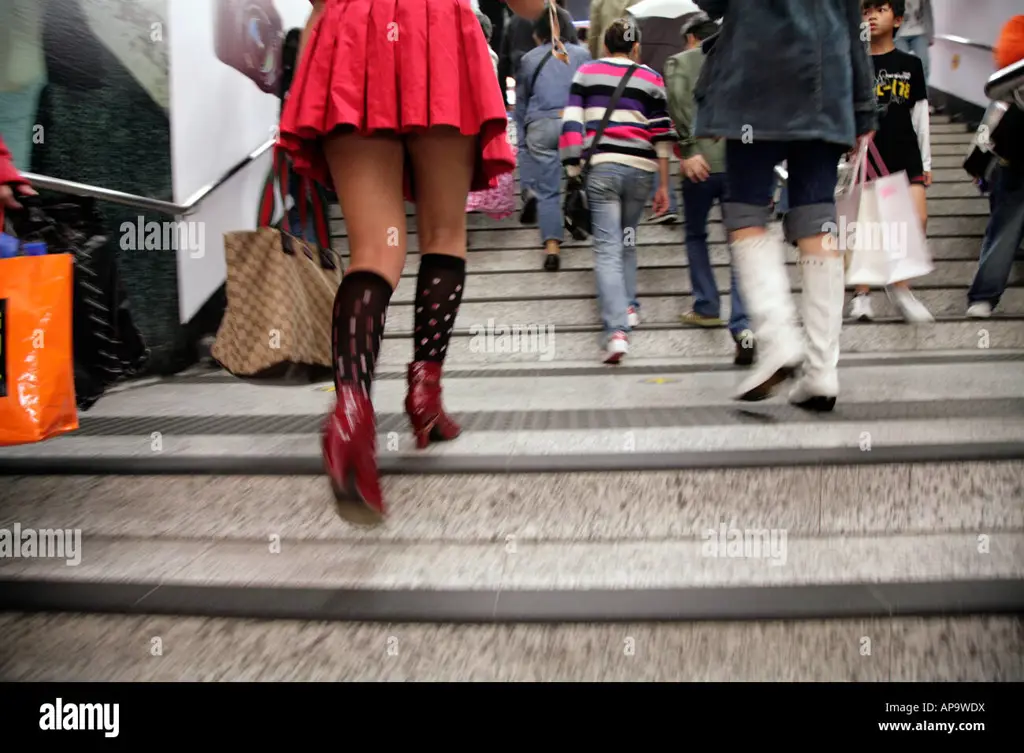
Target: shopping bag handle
882, 170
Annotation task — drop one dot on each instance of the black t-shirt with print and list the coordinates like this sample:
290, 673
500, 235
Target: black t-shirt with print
899, 85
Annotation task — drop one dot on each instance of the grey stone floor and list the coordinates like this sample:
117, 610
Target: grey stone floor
713, 424
887, 499
111, 648
509, 563
609, 391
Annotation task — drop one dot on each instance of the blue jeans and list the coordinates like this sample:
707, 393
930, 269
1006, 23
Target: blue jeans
783, 206
698, 198
673, 201
916, 45
1003, 236
617, 194
750, 181
294, 222
542, 144
17, 118
527, 169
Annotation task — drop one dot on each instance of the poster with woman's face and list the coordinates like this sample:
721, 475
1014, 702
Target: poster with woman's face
247, 37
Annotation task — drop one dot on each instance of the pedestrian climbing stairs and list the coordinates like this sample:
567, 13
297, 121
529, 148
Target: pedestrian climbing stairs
591, 523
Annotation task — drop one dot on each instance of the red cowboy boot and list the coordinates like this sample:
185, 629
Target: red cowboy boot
429, 421
350, 456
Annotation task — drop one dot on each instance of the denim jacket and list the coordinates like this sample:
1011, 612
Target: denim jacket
786, 70
552, 92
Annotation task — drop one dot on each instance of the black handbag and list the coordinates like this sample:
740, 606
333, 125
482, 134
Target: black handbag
106, 343
576, 209
999, 138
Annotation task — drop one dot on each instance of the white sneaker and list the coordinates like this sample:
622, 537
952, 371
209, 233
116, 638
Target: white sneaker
860, 308
618, 346
632, 317
912, 309
979, 310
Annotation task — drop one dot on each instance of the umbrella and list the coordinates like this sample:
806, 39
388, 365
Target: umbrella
663, 8
661, 22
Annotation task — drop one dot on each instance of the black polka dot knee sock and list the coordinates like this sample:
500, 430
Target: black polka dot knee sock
438, 296
360, 309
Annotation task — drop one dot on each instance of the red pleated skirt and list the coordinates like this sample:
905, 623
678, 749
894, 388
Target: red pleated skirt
398, 66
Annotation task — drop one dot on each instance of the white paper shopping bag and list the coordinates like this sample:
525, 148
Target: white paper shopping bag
857, 213
900, 229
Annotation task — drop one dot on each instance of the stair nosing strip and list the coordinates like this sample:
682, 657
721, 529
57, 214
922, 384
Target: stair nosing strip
501, 464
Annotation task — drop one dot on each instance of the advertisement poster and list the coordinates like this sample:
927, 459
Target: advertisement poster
158, 98
225, 79
84, 97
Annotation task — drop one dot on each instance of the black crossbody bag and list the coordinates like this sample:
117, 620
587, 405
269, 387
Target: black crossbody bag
576, 209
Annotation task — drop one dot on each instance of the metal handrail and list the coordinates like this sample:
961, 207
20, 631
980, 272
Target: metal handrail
965, 42
1007, 83
144, 202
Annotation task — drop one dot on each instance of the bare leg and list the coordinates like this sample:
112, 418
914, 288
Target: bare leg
442, 160
367, 173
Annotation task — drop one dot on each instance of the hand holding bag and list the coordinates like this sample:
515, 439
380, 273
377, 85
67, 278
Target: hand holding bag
280, 289
576, 209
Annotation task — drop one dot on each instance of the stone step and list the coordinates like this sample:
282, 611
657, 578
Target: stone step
948, 152
947, 184
974, 206
530, 259
517, 236
669, 341
666, 309
539, 284
524, 416
784, 559
91, 648
945, 190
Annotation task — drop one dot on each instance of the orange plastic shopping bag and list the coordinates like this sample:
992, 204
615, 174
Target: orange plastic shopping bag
37, 372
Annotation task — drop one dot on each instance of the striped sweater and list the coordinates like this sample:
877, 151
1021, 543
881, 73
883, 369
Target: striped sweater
639, 131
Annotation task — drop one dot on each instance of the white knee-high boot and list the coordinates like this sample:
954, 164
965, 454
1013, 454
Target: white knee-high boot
821, 307
761, 266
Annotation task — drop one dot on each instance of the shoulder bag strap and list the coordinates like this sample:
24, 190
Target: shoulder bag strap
536, 73
612, 104
268, 195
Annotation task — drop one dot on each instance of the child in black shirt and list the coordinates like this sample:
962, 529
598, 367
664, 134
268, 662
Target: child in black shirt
903, 137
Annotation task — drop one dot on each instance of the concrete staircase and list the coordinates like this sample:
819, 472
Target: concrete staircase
580, 496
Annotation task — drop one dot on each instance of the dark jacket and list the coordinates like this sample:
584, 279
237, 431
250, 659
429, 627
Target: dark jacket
786, 70
518, 40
